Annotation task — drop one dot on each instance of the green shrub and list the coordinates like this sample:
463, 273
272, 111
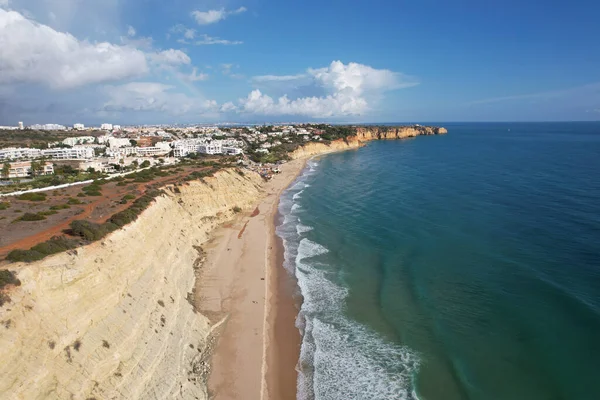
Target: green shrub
122, 183
55, 245
31, 217
129, 197
236, 209
60, 207
73, 201
4, 205
88, 230
8, 278
24, 256
49, 212
81, 194
94, 193
33, 196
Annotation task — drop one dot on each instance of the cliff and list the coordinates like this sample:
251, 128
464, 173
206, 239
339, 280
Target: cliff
366, 134
112, 320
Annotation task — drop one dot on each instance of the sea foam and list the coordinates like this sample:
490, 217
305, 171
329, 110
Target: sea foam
339, 357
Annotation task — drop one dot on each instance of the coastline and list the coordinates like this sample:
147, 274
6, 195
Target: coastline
239, 285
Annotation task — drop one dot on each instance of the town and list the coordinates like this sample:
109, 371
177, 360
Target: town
38, 150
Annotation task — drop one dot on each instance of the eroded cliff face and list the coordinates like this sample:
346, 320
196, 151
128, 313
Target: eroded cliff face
399, 132
365, 134
111, 320
315, 148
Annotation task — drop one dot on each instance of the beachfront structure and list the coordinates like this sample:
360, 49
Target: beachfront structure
160, 149
153, 151
78, 127
72, 141
73, 153
22, 169
14, 153
106, 127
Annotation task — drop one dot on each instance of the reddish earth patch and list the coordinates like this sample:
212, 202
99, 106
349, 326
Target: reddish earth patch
255, 212
242, 231
24, 235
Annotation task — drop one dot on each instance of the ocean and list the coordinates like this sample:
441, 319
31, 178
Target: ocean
463, 266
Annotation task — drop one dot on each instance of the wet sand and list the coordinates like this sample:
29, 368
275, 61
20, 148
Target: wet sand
243, 287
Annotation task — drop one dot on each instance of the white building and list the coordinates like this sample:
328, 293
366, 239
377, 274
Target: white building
118, 142
116, 127
231, 151
106, 127
152, 151
13, 153
78, 127
121, 151
48, 127
72, 141
211, 148
73, 153
21, 127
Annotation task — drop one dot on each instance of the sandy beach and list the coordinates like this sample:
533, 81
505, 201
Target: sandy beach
242, 287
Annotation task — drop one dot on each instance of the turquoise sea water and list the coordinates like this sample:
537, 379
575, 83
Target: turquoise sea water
464, 266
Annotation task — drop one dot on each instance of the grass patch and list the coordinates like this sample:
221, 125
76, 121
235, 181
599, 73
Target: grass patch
32, 197
73, 201
4, 205
8, 278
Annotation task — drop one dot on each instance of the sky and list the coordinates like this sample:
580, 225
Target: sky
180, 61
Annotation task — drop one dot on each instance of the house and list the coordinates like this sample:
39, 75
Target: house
23, 169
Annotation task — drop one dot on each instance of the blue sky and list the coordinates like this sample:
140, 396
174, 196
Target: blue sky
151, 61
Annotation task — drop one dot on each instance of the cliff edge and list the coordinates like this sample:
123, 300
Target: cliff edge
112, 320
365, 134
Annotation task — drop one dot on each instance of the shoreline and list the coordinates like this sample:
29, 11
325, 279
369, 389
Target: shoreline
241, 283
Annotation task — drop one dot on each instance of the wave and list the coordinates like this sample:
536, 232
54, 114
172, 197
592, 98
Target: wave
339, 357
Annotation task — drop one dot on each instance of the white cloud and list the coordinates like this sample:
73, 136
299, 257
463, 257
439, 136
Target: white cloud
349, 89
31, 52
214, 16
155, 97
228, 107
278, 78
194, 76
207, 40
189, 33
4, 3
131, 31
170, 57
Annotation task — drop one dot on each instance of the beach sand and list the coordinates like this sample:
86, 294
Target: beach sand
242, 284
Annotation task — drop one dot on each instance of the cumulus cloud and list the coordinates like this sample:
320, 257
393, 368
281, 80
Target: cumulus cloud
349, 88
228, 107
32, 52
155, 97
214, 16
4, 3
131, 31
170, 57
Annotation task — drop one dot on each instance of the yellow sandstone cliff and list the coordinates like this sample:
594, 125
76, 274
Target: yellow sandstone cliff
366, 134
112, 320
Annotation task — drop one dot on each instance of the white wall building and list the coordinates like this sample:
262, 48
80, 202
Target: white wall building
116, 127
231, 151
72, 141
211, 148
78, 127
48, 127
106, 127
13, 153
21, 127
74, 153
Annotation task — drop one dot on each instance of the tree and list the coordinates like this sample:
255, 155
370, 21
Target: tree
145, 164
6, 170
